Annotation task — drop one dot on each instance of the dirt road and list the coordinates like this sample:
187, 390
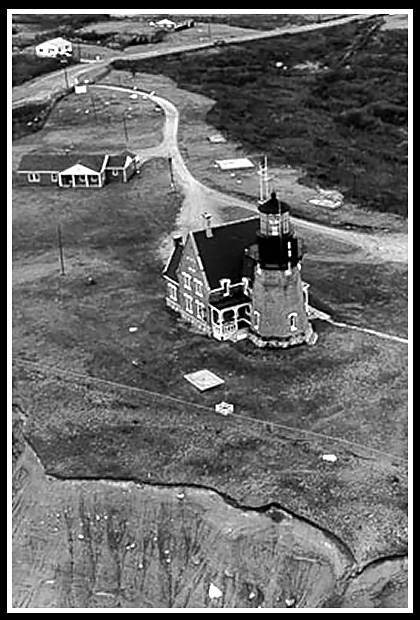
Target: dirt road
200, 198
43, 87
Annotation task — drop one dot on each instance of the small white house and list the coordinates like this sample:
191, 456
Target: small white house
54, 48
165, 23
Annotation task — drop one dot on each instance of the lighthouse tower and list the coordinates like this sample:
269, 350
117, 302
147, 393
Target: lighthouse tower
278, 316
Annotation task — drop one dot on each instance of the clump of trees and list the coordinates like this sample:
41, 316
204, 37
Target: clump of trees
119, 40
28, 66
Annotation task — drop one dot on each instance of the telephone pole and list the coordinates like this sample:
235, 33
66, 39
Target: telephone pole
60, 249
125, 127
171, 172
64, 63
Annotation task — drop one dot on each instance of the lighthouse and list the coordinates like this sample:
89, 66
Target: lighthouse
279, 303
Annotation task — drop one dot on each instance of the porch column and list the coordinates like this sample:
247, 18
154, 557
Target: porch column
73, 181
86, 180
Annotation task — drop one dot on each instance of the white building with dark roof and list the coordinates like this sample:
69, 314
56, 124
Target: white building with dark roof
76, 170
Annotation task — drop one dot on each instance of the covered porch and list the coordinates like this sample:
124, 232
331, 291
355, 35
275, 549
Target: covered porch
81, 176
230, 318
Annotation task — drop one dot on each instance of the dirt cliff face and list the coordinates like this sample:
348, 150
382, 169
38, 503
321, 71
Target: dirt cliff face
110, 544
98, 543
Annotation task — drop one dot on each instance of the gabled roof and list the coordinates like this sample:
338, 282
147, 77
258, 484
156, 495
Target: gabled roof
58, 41
222, 255
120, 160
57, 162
96, 163
172, 266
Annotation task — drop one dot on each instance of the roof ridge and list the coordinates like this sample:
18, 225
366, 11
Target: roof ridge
225, 224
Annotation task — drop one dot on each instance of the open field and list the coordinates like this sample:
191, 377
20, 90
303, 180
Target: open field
200, 155
349, 385
93, 122
333, 120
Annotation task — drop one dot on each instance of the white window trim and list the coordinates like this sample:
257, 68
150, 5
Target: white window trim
34, 177
200, 310
115, 172
187, 280
198, 287
173, 291
293, 321
54, 176
188, 303
257, 316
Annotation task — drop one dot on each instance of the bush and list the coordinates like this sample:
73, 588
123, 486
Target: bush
26, 67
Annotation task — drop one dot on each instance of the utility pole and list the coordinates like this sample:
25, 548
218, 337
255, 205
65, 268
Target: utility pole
94, 108
66, 77
171, 172
60, 249
125, 127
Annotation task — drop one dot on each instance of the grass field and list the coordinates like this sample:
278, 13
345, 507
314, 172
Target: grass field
348, 385
93, 122
344, 123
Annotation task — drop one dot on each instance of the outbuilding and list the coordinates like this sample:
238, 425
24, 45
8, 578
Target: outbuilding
121, 167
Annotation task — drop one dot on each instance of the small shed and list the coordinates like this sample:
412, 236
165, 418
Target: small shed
121, 167
234, 164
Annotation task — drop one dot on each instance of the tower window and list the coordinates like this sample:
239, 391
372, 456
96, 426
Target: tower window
293, 321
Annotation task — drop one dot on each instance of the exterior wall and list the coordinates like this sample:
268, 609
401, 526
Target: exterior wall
44, 178
192, 282
130, 170
112, 178
278, 305
124, 174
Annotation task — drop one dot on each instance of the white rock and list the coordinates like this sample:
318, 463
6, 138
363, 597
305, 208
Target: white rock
132, 330
214, 591
331, 458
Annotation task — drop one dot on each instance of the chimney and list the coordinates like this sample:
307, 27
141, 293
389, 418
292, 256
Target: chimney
177, 241
209, 232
